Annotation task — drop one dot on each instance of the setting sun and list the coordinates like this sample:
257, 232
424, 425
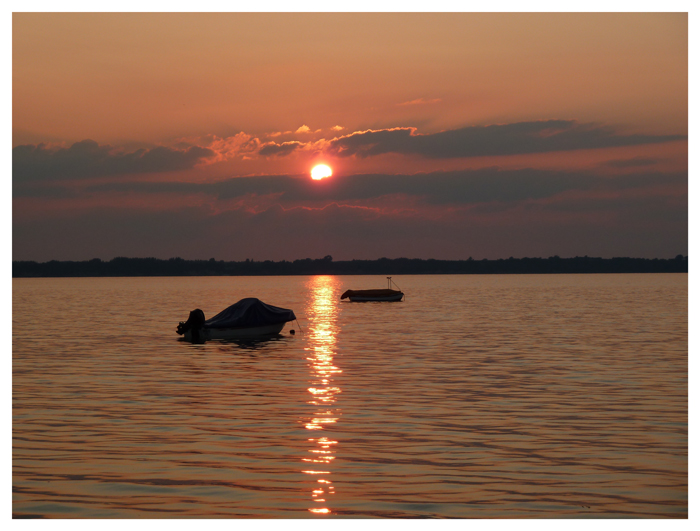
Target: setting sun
321, 172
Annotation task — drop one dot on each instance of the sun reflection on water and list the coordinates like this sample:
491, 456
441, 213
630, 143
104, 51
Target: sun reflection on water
322, 331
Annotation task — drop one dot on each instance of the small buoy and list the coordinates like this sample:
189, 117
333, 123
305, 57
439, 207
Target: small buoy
292, 332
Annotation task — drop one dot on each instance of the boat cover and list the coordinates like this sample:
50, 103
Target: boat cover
369, 293
249, 312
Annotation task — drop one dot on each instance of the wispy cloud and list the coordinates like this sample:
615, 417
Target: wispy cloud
474, 141
285, 148
636, 162
419, 101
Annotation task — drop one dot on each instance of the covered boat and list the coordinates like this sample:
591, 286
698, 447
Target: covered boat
374, 295
247, 318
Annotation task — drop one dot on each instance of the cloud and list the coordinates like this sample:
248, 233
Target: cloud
303, 129
636, 162
492, 140
88, 159
467, 187
285, 148
419, 101
230, 147
486, 212
439, 189
337, 128
574, 224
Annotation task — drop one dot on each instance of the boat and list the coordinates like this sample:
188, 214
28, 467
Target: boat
374, 295
248, 318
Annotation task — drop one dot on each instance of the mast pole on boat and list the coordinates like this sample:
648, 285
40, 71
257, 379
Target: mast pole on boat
398, 288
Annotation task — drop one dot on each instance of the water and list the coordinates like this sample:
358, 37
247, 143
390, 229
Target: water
534, 396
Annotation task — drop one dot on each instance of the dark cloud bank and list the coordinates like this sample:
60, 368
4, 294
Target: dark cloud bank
88, 159
509, 213
647, 227
455, 187
508, 139
589, 213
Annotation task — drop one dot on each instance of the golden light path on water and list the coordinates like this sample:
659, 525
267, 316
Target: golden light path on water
322, 333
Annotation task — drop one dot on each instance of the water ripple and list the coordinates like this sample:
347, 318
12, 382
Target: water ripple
479, 397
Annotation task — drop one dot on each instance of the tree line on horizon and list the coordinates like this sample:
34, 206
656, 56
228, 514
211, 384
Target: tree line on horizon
145, 267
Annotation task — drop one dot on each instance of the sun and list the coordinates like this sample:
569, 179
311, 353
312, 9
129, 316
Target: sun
321, 172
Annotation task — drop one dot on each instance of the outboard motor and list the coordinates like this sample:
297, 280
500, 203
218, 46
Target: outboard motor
195, 322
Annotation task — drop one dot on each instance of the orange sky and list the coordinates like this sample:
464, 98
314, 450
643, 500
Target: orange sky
151, 78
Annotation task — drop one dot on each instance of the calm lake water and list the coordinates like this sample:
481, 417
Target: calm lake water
504, 396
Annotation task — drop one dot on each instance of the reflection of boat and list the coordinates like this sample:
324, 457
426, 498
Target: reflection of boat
248, 318
370, 295
251, 343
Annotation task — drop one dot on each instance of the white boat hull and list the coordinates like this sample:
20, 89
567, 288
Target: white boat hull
237, 333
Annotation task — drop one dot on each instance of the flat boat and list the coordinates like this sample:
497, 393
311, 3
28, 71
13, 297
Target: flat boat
248, 318
374, 295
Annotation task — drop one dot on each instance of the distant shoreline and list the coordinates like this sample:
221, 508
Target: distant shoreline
155, 267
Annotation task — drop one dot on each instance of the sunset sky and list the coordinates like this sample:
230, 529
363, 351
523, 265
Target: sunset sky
449, 135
